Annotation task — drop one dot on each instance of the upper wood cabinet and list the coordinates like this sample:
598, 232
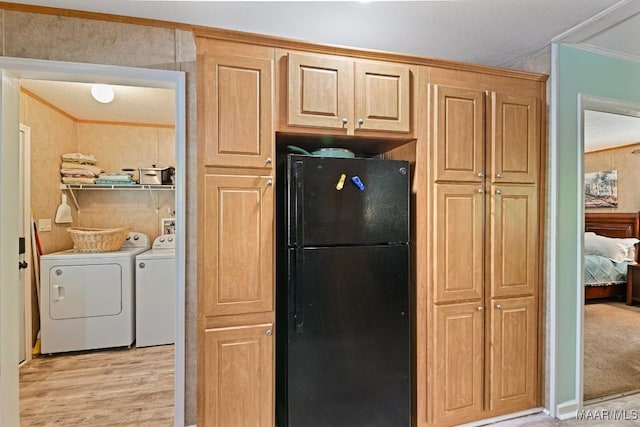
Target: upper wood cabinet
458, 133
461, 119
515, 138
237, 111
347, 96
238, 244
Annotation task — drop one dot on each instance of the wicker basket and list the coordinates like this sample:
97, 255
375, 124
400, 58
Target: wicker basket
97, 239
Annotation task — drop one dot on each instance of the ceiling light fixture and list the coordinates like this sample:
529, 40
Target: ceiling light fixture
102, 93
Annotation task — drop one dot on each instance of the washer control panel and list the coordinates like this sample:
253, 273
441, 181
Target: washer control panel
164, 241
135, 239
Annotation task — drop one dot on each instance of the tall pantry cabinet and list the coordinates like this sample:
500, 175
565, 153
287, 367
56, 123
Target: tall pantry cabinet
236, 226
484, 281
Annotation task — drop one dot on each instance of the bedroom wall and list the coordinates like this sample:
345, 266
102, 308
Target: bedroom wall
628, 167
578, 72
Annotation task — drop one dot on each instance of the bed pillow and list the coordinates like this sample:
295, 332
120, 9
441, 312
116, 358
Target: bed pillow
617, 250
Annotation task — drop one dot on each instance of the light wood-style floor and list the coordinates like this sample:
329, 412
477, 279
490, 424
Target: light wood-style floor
105, 388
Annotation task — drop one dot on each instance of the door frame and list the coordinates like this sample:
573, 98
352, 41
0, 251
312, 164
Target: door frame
25, 171
14, 69
604, 105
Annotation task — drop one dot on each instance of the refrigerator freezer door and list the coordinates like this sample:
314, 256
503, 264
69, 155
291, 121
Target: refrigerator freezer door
335, 202
348, 361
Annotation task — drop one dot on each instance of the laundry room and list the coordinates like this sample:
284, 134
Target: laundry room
121, 144
129, 146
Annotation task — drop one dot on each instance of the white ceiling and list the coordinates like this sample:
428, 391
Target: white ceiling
607, 130
130, 105
491, 32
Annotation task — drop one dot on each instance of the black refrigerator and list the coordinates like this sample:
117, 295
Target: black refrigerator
342, 319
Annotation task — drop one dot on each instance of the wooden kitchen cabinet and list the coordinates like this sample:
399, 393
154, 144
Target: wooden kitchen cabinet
458, 133
238, 244
459, 363
486, 156
347, 96
458, 233
237, 104
514, 240
512, 378
515, 139
239, 376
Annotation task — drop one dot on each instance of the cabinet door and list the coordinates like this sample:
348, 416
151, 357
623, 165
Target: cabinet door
238, 245
458, 133
459, 239
514, 139
320, 91
237, 111
459, 363
513, 355
382, 97
514, 240
238, 368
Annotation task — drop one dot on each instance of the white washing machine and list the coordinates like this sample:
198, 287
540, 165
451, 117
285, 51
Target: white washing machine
87, 299
156, 293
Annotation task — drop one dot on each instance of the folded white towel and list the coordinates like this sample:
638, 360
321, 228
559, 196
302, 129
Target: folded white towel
88, 159
77, 180
95, 169
115, 176
77, 172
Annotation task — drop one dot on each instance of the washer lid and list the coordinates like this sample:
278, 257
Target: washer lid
72, 253
157, 254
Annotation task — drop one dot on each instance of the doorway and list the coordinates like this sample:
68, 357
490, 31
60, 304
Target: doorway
13, 71
610, 138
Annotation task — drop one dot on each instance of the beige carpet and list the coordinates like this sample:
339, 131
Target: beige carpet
611, 349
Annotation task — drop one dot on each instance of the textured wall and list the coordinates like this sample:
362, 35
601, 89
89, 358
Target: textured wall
628, 167
51, 134
31, 35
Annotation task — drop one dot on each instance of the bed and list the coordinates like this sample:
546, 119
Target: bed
614, 225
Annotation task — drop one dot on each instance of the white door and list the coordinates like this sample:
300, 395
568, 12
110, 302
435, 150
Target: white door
9, 277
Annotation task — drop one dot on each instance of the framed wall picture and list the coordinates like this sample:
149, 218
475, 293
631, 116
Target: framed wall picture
601, 189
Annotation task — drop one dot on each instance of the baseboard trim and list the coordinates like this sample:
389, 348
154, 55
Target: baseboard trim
567, 410
502, 418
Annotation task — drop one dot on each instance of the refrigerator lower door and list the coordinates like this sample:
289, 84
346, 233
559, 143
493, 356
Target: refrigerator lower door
348, 359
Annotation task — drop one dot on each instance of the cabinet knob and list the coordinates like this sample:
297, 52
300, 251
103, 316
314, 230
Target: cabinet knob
269, 182
269, 333
498, 191
142, 265
480, 308
480, 175
499, 306
480, 191
268, 160
360, 122
498, 175
344, 121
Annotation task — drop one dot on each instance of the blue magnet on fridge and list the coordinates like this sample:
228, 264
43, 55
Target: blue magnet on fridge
358, 183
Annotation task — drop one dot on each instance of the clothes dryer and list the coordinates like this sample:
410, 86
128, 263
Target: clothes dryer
156, 293
87, 299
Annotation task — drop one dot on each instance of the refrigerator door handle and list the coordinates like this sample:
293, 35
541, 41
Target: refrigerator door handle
298, 203
298, 309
